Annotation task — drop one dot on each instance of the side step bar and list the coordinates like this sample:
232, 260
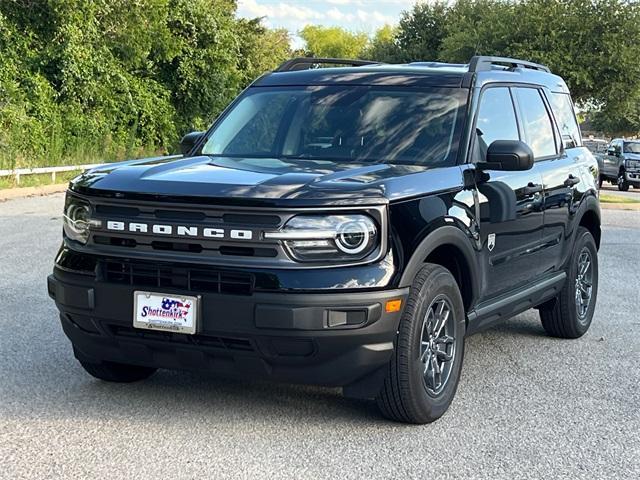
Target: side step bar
494, 311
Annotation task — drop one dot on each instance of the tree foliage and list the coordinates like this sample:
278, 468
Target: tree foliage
593, 44
84, 80
333, 42
111, 78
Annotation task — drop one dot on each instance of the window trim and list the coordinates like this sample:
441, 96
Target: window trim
474, 123
557, 138
573, 115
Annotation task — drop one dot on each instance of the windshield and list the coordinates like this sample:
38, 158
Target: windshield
342, 123
632, 147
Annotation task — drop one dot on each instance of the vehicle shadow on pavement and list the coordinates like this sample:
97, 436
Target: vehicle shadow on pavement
65, 391
61, 389
529, 326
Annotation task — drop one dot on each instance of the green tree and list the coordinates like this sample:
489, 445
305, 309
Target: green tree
333, 42
592, 44
261, 49
421, 32
84, 80
382, 46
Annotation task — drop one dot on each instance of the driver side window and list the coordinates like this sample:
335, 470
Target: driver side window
615, 148
496, 120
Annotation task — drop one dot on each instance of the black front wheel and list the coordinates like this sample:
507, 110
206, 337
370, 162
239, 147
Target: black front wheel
623, 185
569, 315
423, 373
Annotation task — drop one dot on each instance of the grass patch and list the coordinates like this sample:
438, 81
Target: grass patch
607, 198
38, 180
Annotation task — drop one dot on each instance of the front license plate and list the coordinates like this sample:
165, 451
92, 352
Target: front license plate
160, 311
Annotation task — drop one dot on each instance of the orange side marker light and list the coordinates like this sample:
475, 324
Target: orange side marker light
393, 306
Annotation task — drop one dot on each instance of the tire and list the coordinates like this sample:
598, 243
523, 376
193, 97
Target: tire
411, 393
117, 372
565, 316
623, 185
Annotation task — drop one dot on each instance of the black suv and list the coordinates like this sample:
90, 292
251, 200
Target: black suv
345, 226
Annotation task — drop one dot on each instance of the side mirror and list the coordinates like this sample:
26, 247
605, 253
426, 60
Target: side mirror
189, 140
508, 156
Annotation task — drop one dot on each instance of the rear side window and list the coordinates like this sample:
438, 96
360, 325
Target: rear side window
496, 120
565, 116
538, 129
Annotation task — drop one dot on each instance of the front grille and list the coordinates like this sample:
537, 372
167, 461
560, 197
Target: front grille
222, 248
183, 278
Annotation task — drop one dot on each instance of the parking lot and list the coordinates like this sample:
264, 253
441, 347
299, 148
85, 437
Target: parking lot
632, 193
528, 406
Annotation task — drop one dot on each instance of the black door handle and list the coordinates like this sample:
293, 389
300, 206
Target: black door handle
571, 181
532, 188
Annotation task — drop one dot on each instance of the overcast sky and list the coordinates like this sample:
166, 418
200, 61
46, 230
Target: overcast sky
358, 15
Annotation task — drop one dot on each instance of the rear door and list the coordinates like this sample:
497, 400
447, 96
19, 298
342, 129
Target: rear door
558, 165
511, 218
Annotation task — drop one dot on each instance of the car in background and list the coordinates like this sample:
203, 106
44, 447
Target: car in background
620, 164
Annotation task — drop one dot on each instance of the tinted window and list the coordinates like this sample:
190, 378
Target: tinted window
342, 123
258, 134
565, 116
631, 147
538, 129
496, 117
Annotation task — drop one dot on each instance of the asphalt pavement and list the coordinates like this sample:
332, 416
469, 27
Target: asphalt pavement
528, 406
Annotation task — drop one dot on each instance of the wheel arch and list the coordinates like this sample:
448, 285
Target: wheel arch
451, 248
591, 219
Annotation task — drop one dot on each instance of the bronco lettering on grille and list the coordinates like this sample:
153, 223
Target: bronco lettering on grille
179, 230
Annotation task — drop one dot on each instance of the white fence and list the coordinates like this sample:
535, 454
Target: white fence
19, 172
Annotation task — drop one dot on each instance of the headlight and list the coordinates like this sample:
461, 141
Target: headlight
77, 219
315, 238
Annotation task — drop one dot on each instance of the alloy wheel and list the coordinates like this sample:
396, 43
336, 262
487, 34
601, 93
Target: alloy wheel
584, 284
437, 344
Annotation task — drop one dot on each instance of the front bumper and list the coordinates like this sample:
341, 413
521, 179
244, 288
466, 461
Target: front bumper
280, 336
633, 177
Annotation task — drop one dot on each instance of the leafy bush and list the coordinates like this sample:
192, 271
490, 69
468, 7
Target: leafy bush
99, 80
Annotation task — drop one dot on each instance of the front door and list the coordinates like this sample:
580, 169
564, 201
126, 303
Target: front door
610, 159
511, 217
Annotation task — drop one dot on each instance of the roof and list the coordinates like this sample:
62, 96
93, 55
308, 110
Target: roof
479, 72
400, 75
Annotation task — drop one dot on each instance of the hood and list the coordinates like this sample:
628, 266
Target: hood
250, 180
632, 156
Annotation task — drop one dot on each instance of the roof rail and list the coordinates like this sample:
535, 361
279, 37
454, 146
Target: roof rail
306, 63
481, 63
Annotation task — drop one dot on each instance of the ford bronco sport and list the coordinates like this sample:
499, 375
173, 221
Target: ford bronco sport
345, 226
